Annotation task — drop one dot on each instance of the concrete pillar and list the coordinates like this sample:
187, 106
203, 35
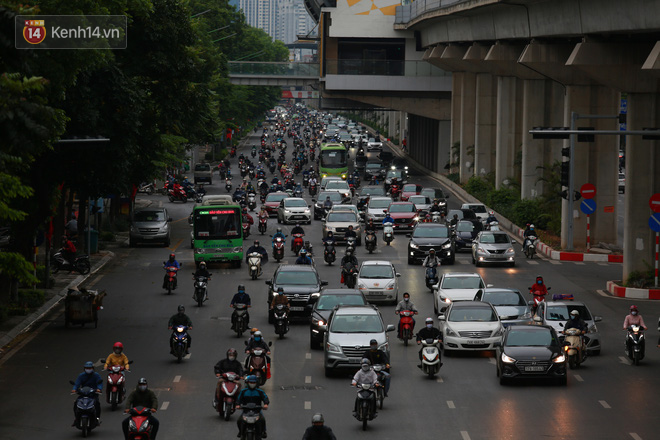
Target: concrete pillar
642, 181
507, 136
456, 92
468, 100
444, 146
534, 115
485, 127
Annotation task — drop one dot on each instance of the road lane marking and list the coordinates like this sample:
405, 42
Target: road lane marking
178, 243
635, 436
579, 263
532, 262
164, 406
578, 378
439, 380
604, 404
187, 356
603, 264
450, 404
308, 355
176, 379
177, 221
465, 435
601, 292
492, 361
624, 360
308, 379
96, 280
145, 264
308, 405
554, 262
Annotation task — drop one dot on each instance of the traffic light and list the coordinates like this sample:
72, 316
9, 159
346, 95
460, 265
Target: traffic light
566, 152
565, 173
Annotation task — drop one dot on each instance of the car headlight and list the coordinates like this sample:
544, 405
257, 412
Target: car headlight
442, 203
482, 250
164, 228
384, 347
445, 300
332, 348
319, 322
498, 332
416, 219
199, 250
446, 245
510, 251
508, 359
413, 246
390, 286
592, 329
559, 359
286, 211
237, 249
362, 286
450, 332
316, 294
307, 211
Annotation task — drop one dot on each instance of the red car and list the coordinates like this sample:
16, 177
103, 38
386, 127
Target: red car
273, 202
410, 189
404, 214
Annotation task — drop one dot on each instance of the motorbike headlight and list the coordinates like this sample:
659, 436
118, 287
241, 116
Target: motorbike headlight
413, 246
559, 359
508, 359
447, 245
332, 348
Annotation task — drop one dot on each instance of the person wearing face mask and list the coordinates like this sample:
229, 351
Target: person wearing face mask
92, 379
405, 304
539, 288
634, 318
379, 357
365, 375
253, 394
318, 431
117, 357
428, 332
257, 341
142, 396
180, 318
229, 364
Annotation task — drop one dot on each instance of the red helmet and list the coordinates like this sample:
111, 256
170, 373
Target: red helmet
633, 308
118, 345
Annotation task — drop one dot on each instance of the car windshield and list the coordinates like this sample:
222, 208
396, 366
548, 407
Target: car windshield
410, 188
334, 196
419, 200
357, 324
149, 216
563, 312
504, 298
455, 212
296, 203
379, 203
374, 165
479, 209
373, 191
276, 197
217, 224
404, 207
465, 227
346, 217
202, 167
434, 232
494, 238
530, 337
328, 302
462, 283
372, 140
376, 271
472, 314
394, 173
296, 278
432, 193
339, 184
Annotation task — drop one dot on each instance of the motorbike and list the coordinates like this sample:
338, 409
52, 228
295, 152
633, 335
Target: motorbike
179, 342
171, 283
251, 173
406, 325
232, 152
246, 230
201, 289
313, 189
574, 347
431, 277
297, 243
177, 193
228, 185
241, 323
305, 181
281, 320
254, 265
538, 299
298, 192
379, 369
139, 427
635, 344
191, 193
430, 357
350, 244
252, 201
80, 263
370, 242
257, 364
272, 167
263, 224
254, 152
395, 191
436, 217
278, 249
366, 406
147, 188
115, 385
229, 390
85, 410
329, 254
495, 226
530, 246
388, 232
349, 275
250, 425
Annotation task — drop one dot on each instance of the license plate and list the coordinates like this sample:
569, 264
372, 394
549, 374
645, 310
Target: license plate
375, 292
353, 360
475, 342
534, 368
296, 309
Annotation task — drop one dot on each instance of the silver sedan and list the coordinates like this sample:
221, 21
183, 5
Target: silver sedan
493, 247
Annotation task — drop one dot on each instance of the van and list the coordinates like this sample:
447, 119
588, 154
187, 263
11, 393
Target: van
203, 173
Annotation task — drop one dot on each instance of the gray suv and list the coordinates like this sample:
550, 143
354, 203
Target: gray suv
150, 225
348, 333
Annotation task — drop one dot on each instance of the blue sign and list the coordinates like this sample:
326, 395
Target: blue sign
588, 206
654, 222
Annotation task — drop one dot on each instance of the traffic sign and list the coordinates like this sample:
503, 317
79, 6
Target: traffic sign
588, 191
588, 206
654, 222
654, 202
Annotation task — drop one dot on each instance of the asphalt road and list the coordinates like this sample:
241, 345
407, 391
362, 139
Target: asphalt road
606, 399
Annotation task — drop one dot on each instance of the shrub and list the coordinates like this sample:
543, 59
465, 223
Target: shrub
107, 236
640, 279
30, 298
454, 177
4, 314
478, 187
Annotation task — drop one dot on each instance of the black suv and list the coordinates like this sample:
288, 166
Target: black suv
301, 285
321, 309
427, 236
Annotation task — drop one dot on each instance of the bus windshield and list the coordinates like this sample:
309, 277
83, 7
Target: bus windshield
333, 158
217, 224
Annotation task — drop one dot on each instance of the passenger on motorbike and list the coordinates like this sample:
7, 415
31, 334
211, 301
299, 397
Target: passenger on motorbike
365, 375
318, 431
180, 318
303, 258
253, 394
142, 396
171, 262
529, 232
378, 357
405, 304
432, 261
428, 332
116, 357
92, 379
634, 318
68, 250
240, 297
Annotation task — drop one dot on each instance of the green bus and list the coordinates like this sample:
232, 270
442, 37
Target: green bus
217, 235
333, 160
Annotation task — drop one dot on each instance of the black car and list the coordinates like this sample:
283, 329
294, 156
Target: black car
386, 158
466, 231
374, 168
301, 285
464, 214
437, 194
360, 163
321, 309
531, 351
335, 197
428, 236
399, 163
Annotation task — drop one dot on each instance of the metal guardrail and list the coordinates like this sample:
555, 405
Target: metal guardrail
265, 69
411, 10
381, 67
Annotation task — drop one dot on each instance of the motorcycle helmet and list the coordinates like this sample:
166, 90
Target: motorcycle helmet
539, 279
280, 290
365, 365
431, 251
531, 226
202, 265
253, 330
429, 320
251, 381
303, 253
181, 309
575, 314
257, 336
118, 347
142, 381
88, 364
232, 352
297, 225
256, 243
317, 419
633, 309
279, 230
241, 288
349, 252
172, 256
373, 344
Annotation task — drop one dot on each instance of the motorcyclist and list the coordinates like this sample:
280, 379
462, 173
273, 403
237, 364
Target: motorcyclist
428, 332
92, 379
229, 364
539, 288
247, 218
239, 194
491, 217
68, 250
435, 208
256, 247
529, 232
171, 262
180, 318
330, 239
388, 218
370, 228
257, 341
279, 298
240, 297
142, 396
365, 375
280, 234
117, 357
432, 261
405, 304
577, 323
297, 230
634, 318
318, 431
202, 271
71, 227
454, 221
253, 394
327, 204
350, 233
303, 258
379, 357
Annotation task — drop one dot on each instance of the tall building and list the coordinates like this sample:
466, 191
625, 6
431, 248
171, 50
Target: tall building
283, 20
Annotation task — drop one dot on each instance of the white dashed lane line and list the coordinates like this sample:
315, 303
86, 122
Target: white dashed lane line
308, 355
604, 404
439, 380
450, 404
578, 378
177, 379
532, 262
308, 405
635, 436
308, 379
554, 262
465, 435
164, 406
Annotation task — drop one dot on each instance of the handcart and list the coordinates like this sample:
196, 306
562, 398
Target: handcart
82, 306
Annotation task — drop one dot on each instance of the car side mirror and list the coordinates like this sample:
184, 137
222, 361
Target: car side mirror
390, 328
598, 318
441, 317
324, 283
270, 344
269, 282
398, 275
169, 219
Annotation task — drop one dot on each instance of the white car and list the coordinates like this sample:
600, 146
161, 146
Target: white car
294, 209
327, 180
340, 186
351, 208
374, 145
376, 209
338, 222
377, 280
479, 209
456, 286
470, 326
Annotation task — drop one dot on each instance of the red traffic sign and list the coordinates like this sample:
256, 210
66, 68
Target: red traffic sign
588, 191
654, 202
